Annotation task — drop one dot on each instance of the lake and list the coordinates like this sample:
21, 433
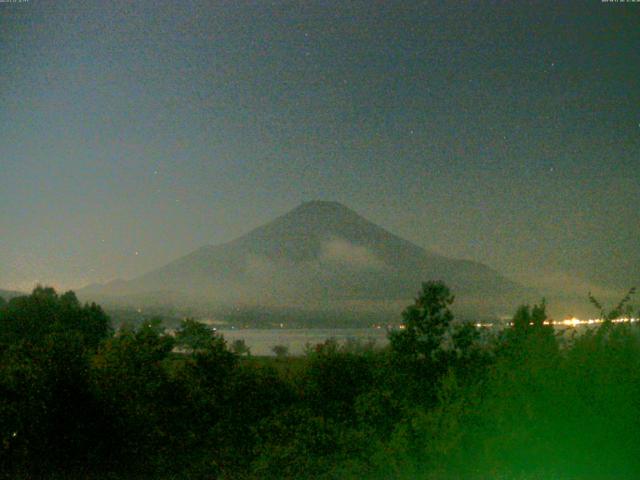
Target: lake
261, 341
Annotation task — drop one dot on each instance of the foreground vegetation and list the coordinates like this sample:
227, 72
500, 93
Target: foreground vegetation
444, 400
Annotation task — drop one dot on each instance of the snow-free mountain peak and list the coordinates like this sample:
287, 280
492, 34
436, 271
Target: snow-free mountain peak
320, 253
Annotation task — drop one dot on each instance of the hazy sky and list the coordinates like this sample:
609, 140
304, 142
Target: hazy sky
134, 132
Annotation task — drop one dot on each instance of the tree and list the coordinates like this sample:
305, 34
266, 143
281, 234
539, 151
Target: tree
334, 378
194, 335
425, 322
530, 338
239, 347
32, 318
280, 351
131, 382
623, 308
48, 415
528, 319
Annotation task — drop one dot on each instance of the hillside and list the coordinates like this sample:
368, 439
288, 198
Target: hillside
319, 255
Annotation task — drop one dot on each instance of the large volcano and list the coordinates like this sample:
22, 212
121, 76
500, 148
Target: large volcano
320, 254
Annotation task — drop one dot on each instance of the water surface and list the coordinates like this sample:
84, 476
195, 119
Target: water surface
261, 341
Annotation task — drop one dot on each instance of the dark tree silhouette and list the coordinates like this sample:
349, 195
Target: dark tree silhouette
32, 318
239, 347
195, 335
623, 308
425, 322
280, 351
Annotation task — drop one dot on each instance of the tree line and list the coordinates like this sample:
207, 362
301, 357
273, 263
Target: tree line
443, 400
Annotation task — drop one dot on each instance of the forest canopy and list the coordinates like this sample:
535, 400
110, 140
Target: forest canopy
444, 399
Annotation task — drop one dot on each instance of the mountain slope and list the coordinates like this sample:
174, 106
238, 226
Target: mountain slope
319, 254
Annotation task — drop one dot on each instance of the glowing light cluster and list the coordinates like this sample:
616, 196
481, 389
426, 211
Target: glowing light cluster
573, 322
483, 325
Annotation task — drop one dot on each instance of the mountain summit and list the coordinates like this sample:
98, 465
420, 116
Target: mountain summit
319, 254
302, 233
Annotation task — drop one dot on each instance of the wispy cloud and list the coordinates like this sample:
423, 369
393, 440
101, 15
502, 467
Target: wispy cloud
342, 251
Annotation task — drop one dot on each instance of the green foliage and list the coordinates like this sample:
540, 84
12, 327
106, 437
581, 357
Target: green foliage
529, 338
48, 416
428, 440
239, 347
32, 318
334, 379
425, 322
280, 351
298, 444
622, 309
444, 401
194, 335
130, 380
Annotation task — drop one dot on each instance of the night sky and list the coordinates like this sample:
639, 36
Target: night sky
134, 132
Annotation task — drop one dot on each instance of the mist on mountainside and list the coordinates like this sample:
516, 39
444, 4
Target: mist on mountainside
320, 256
